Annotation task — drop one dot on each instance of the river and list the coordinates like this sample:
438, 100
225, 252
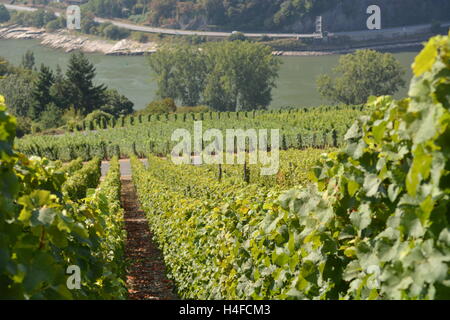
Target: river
132, 76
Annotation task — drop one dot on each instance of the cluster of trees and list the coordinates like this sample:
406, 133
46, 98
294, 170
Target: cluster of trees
271, 14
234, 13
46, 99
39, 18
107, 30
116, 8
43, 18
360, 75
226, 76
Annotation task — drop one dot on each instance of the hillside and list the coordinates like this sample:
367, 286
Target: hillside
270, 15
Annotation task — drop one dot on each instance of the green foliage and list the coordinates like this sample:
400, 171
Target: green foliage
43, 232
71, 167
17, 89
39, 18
41, 91
237, 36
114, 32
374, 225
385, 199
116, 103
360, 75
269, 15
180, 72
78, 184
51, 99
219, 225
107, 8
162, 106
226, 76
54, 25
51, 117
4, 67
153, 134
83, 94
140, 37
98, 115
241, 76
23, 126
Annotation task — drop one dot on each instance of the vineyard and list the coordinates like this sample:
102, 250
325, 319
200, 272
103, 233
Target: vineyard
359, 208
54, 216
318, 128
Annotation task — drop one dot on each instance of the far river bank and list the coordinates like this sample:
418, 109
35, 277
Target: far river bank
72, 41
132, 76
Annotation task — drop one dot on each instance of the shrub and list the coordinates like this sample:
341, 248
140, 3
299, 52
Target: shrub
51, 117
140, 37
237, 36
53, 25
161, 106
114, 32
23, 126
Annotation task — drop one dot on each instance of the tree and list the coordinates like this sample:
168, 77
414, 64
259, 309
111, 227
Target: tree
225, 76
215, 11
4, 14
181, 72
61, 90
117, 104
241, 76
41, 91
88, 24
40, 18
17, 89
361, 75
51, 117
84, 95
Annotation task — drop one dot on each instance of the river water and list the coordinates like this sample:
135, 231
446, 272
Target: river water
132, 76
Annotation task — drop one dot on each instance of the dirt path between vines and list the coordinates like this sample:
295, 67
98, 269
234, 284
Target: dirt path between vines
146, 279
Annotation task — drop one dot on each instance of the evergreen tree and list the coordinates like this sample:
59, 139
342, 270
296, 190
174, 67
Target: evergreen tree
41, 91
84, 95
59, 90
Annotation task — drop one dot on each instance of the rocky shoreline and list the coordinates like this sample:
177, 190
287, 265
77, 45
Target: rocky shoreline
68, 42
